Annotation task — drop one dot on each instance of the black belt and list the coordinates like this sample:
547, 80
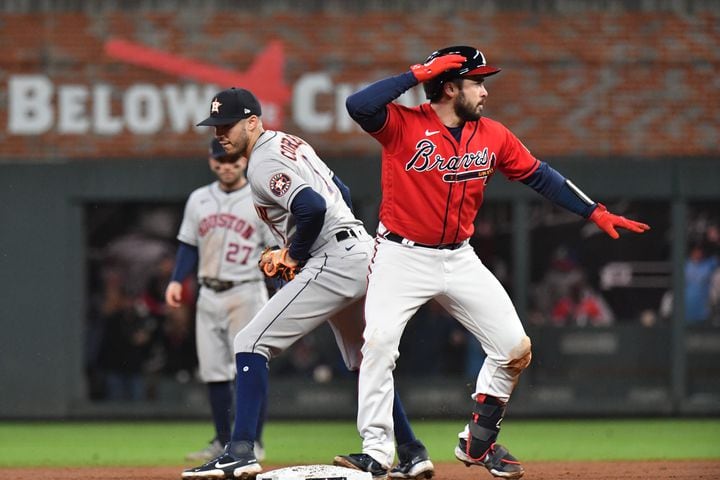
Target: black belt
345, 234
394, 237
217, 284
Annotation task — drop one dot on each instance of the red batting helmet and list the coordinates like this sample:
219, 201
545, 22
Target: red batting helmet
474, 64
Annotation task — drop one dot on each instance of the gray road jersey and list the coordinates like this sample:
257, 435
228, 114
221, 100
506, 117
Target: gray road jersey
227, 231
280, 166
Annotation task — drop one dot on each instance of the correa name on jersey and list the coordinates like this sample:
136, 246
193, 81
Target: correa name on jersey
422, 160
289, 145
227, 221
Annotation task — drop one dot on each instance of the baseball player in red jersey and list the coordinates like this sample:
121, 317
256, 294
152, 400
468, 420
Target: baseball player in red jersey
436, 161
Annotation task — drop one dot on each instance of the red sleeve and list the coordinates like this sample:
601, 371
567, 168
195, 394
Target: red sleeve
516, 162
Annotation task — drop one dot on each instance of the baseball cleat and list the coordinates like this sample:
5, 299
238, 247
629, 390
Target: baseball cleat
364, 462
228, 465
413, 462
213, 449
498, 461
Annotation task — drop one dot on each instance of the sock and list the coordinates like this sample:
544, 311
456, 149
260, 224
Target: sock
403, 430
220, 394
251, 385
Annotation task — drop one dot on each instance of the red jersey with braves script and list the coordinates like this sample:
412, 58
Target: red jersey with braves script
433, 185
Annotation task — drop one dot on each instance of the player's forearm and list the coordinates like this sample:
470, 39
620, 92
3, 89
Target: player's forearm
308, 208
367, 106
563, 192
186, 260
549, 183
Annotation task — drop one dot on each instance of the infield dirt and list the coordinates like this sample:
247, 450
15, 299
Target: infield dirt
655, 470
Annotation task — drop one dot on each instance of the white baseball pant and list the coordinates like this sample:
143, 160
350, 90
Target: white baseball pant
403, 278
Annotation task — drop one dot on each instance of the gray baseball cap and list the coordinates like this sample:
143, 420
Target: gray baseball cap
230, 106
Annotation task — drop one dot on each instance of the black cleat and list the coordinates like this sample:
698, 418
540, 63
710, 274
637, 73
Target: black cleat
364, 462
498, 460
228, 465
413, 462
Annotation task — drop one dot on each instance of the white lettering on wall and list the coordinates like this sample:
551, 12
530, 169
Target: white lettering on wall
29, 109
72, 116
143, 110
36, 105
305, 99
103, 121
187, 105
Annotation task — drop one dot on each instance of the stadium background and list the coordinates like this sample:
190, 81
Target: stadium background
98, 153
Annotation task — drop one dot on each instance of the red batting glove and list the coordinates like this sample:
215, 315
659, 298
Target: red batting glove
607, 222
436, 66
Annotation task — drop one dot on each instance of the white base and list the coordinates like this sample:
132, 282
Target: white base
314, 472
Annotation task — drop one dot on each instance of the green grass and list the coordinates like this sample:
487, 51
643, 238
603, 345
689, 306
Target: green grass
165, 443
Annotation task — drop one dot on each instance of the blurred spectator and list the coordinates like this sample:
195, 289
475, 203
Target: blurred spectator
140, 250
715, 298
126, 342
179, 358
485, 242
173, 352
581, 306
158, 276
712, 241
699, 271
648, 318
563, 272
132, 340
712, 237
702, 288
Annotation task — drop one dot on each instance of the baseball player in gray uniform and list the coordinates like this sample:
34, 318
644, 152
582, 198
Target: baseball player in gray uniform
222, 235
308, 209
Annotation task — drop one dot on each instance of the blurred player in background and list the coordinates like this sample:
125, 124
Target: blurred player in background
222, 235
436, 161
325, 254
